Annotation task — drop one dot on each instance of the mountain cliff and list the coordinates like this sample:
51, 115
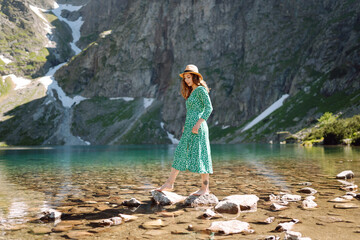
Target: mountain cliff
250, 53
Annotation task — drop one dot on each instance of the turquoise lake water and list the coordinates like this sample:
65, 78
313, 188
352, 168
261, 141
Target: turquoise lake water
32, 178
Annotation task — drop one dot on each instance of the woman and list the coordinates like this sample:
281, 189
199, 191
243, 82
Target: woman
193, 151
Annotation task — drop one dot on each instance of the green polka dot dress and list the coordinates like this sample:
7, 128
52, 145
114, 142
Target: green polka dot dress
193, 152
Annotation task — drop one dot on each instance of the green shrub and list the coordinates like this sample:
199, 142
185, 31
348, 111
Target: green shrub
327, 118
335, 132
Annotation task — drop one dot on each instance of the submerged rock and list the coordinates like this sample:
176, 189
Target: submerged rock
40, 230
308, 190
78, 234
127, 218
346, 205
348, 174
272, 238
351, 188
203, 200
291, 198
267, 221
208, 214
286, 226
133, 202
50, 215
153, 224
166, 198
308, 204
291, 235
339, 200
230, 227
235, 203
277, 207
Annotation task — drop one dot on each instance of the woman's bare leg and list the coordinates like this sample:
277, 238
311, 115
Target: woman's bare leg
169, 184
204, 185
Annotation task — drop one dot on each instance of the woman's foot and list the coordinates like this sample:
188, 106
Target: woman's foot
201, 192
166, 187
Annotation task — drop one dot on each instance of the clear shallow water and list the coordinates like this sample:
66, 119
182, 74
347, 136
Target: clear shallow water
36, 178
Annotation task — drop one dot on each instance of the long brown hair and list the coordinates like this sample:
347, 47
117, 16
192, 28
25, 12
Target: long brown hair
186, 90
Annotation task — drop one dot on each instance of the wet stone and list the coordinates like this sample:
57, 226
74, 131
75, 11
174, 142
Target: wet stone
40, 230
339, 200
286, 226
272, 238
166, 198
277, 207
229, 227
171, 214
153, 224
348, 174
128, 218
78, 234
133, 202
50, 215
203, 200
62, 228
235, 203
208, 214
308, 204
350, 188
329, 219
307, 190
155, 232
291, 198
346, 206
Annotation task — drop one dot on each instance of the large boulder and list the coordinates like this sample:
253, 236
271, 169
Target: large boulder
235, 203
166, 198
202, 200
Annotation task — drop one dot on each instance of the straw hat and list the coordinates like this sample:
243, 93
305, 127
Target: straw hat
191, 69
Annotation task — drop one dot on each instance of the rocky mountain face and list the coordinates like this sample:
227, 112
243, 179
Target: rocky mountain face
250, 53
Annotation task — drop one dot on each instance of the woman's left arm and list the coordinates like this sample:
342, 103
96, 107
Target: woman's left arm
205, 99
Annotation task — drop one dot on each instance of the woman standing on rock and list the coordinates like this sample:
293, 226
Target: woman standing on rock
193, 151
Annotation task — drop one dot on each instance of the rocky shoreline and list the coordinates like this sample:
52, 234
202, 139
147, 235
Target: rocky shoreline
163, 215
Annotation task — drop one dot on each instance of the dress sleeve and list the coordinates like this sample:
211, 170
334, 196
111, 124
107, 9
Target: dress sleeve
205, 99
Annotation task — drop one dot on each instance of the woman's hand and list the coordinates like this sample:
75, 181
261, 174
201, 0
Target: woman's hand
195, 129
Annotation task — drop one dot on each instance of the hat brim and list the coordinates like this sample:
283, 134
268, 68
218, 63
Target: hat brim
182, 74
